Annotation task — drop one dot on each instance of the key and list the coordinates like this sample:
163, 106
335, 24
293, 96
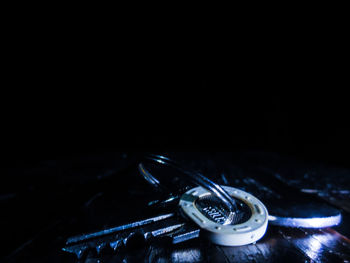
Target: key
198, 211
118, 237
226, 215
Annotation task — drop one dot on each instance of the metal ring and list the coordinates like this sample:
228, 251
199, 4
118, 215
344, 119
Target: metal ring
193, 176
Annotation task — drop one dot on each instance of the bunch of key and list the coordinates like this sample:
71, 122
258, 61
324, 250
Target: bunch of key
224, 215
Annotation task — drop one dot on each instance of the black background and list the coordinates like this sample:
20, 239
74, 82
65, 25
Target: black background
48, 114
74, 85
76, 81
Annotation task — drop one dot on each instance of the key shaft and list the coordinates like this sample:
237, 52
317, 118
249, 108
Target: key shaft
118, 237
112, 230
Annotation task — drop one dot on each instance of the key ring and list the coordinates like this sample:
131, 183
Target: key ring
194, 177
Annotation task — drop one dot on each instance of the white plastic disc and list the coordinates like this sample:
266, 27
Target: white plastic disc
227, 235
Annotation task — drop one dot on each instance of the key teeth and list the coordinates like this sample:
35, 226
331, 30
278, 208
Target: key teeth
137, 237
147, 236
79, 253
116, 245
101, 248
125, 240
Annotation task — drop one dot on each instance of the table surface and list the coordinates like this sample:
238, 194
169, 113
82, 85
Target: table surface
60, 198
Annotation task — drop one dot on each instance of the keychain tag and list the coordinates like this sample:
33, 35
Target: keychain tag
245, 229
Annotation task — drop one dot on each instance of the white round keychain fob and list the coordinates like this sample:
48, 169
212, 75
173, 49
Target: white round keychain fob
246, 230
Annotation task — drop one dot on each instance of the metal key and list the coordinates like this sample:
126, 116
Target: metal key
118, 237
206, 212
198, 210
